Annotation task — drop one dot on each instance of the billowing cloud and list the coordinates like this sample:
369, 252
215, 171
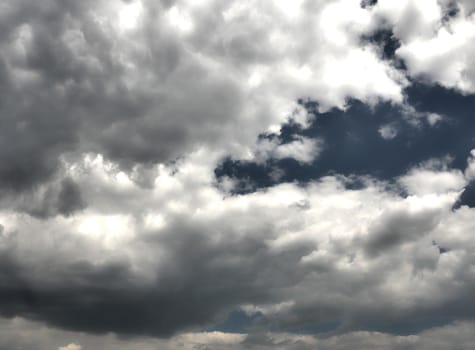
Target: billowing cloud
123, 225
157, 261
146, 82
436, 39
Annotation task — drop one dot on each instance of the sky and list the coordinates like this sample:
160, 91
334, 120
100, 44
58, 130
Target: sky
230, 175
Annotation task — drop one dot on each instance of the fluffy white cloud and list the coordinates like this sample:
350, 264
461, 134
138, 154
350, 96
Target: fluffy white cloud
302, 149
425, 180
434, 46
447, 57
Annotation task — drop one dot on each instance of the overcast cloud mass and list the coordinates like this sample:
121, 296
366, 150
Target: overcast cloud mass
227, 175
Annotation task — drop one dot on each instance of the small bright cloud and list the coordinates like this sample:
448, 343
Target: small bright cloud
289, 8
129, 15
388, 132
71, 346
434, 118
180, 20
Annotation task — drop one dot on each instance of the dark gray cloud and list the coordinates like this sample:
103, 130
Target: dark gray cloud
65, 89
61, 196
199, 282
69, 198
398, 227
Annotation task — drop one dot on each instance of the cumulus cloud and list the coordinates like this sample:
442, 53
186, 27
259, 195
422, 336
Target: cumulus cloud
436, 39
433, 177
157, 261
115, 231
146, 82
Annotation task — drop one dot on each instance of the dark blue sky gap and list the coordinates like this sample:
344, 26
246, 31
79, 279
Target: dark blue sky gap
353, 145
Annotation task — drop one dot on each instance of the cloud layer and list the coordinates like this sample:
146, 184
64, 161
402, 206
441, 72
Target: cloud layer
117, 220
180, 256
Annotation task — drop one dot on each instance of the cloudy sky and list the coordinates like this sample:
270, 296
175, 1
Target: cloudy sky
239, 174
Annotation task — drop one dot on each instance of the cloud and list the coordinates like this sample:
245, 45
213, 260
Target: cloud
141, 261
428, 179
434, 39
71, 346
302, 149
14, 332
127, 81
387, 132
350, 141
61, 196
114, 228
470, 171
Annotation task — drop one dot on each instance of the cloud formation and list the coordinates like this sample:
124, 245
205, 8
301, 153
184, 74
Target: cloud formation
77, 79
16, 332
123, 226
180, 256
436, 39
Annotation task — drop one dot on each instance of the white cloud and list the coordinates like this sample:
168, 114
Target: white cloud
470, 171
434, 118
447, 57
129, 14
425, 181
434, 49
302, 149
388, 131
71, 346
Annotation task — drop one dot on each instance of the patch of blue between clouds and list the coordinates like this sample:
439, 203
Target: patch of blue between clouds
353, 144
239, 321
